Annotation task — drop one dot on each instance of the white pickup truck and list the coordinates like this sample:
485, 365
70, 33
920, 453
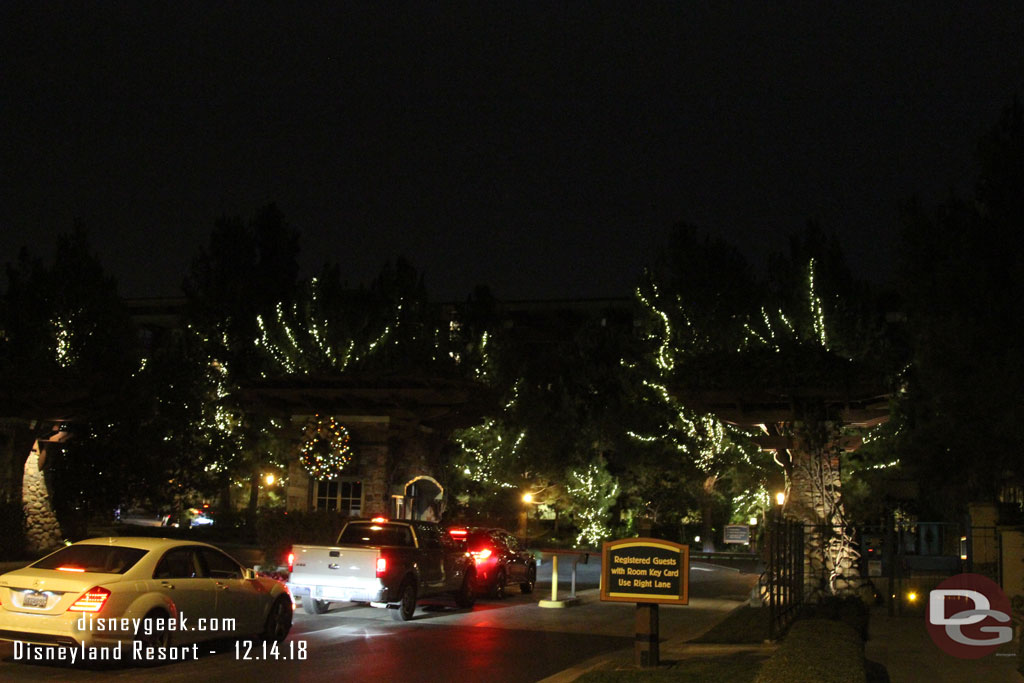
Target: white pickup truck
386, 563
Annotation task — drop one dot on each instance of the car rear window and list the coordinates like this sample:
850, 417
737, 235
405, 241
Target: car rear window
480, 539
371, 533
103, 559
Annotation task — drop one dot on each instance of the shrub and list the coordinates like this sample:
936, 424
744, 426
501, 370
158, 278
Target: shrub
849, 609
278, 530
817, 650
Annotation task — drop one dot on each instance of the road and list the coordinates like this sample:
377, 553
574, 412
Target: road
497, 641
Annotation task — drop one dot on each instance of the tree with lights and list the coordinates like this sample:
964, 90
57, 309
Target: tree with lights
67, 349
557, 430
808, 332
695, 301
248, 270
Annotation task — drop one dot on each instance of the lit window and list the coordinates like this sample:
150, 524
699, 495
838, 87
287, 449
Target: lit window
341, 495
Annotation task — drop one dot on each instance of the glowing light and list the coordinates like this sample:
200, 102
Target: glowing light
780, 498
91, 601
325, 452
594, 491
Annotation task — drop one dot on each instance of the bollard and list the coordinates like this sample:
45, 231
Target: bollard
554, 578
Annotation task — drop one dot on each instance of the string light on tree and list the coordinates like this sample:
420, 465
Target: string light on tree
326, 451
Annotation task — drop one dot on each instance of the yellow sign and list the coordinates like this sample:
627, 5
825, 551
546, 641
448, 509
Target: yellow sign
646, 570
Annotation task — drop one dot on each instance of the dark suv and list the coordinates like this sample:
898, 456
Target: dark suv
500, 560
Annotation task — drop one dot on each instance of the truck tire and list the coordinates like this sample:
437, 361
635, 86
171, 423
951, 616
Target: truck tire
466, 597
312, 606
531, 578
406, 603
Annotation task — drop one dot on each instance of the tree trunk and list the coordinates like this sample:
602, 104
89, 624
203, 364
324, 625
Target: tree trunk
707, 511
254, 499
831, 565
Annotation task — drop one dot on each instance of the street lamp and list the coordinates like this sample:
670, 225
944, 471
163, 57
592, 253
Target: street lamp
780, 498
524, 518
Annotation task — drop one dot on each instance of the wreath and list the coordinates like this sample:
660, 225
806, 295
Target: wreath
325, 451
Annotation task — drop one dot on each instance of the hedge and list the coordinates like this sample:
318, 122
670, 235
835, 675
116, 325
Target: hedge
819, 651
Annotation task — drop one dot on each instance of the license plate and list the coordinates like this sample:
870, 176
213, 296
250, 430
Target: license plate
34, 600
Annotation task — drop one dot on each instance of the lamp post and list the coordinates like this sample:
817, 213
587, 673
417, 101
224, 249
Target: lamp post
524, 517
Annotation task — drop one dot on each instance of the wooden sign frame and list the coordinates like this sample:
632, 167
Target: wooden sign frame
647, 548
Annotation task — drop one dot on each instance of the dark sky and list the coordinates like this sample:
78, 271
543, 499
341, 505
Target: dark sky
542, 148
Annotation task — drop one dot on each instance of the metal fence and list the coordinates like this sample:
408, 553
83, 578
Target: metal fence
784, 573
900, 560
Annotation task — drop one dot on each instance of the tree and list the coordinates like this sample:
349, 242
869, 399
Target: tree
962, 281
697, 302
68, 351
809, 333
248, 271
328, 329
558, 428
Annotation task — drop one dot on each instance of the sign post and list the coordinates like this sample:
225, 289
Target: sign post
648, 572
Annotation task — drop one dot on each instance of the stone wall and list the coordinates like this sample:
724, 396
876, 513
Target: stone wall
384, 460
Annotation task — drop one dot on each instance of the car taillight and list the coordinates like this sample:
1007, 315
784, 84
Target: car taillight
382, 566
291, 562
91, 601
458, 534
481, 555
70, 569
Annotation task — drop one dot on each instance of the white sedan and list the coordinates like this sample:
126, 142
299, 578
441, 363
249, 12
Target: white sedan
159, 597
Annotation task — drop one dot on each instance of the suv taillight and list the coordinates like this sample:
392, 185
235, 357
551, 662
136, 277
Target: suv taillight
482, 554
291, 562
382, 566
91, 601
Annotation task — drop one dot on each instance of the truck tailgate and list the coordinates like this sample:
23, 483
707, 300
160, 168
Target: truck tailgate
338, 573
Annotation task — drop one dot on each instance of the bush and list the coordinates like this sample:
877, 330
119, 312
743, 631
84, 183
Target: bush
817, 650
278, 530
849, 609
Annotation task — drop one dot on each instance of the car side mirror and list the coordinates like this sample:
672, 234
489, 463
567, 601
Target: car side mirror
248, 573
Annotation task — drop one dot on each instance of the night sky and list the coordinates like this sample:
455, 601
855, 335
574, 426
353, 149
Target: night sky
542, 148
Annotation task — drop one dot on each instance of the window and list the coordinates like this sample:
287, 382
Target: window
93, 558
369, 533
341, 495
429, 536
178, 564
220, 566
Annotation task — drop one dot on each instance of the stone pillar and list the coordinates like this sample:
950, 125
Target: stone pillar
376, 498
298, 491
41, 527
